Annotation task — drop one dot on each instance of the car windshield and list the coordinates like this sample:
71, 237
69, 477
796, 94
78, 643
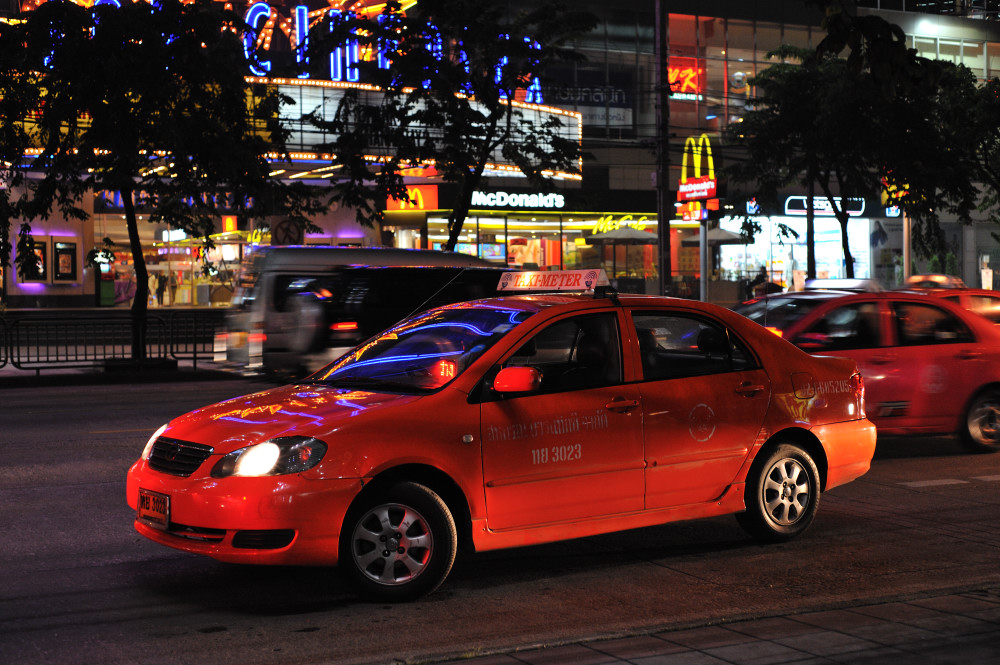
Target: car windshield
422, 353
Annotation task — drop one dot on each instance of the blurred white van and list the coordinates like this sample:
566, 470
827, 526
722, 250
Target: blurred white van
295, 309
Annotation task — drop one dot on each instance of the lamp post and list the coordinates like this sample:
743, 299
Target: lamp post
664, 207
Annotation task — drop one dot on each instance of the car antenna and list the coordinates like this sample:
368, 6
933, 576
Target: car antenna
422, 306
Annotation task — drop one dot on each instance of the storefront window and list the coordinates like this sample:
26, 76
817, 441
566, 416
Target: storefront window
768, 39
535, 241
741, 43
950, 50
973, 58
926, 47
799, 36
785, 258
992, 59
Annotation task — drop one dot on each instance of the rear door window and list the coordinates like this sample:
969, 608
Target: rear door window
676, 345
920, 324
853, 326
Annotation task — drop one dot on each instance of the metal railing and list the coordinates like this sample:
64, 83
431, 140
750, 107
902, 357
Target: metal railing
85, 339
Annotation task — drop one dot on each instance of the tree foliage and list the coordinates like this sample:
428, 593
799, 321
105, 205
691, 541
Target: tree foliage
446, 99
880, 120
147, 100
986, 116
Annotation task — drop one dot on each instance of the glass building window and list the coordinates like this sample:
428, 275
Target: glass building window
992, 59
973, 57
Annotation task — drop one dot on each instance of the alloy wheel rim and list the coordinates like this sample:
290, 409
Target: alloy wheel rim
392, 544
787, 491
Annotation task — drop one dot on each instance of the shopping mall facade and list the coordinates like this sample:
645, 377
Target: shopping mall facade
609, 103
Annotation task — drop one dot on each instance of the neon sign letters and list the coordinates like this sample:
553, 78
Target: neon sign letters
799, 206
344, 58
506, 200
684, 76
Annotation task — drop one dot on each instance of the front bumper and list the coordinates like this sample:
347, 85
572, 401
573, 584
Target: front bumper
280, 520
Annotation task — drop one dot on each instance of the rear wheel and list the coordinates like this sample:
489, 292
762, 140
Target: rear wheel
399, 544
982, 422
782, 494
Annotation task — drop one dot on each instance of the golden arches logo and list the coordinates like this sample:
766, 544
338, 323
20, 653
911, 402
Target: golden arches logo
416, 198
422, 197
697, 150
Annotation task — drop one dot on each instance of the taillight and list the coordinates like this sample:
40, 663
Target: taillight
775, 331
344, 325
858, 387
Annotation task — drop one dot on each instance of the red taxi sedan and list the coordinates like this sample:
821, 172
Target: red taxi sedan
508, 422
931, 366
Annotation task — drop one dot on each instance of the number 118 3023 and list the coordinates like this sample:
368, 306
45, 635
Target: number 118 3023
556, 454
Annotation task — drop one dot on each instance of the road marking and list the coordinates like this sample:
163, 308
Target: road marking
933, 483
119, 431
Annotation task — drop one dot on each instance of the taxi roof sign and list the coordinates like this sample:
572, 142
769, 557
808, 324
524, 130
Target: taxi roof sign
553, 280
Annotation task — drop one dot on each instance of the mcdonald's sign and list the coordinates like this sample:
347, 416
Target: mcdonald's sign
697, 187
422, 197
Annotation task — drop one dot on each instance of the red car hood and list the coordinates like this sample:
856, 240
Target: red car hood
316, 411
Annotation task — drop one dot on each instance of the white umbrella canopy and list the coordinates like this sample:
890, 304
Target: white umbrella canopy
716, 237
623, 235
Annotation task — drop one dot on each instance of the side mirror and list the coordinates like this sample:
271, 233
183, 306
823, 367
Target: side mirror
517, 380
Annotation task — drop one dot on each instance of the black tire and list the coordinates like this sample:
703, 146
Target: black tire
981, 431
386, 561
782, 494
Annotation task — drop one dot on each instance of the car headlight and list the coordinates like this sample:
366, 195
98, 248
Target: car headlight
149, 444
281, 455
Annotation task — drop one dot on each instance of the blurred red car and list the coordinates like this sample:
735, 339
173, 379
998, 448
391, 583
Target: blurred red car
931, 366
981, 301
507, 422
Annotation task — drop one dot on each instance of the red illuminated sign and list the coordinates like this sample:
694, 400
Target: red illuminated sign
684, 75
702, 184
422, 197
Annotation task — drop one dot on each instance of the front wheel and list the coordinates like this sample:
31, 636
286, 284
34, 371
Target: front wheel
399, 544
982, 423
782, 494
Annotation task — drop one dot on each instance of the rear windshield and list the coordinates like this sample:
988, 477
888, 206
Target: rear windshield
423, 353
778, 312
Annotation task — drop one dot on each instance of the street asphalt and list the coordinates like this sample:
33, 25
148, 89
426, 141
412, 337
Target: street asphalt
957, 626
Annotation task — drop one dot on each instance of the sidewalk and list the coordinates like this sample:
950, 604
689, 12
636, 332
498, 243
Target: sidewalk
126, 372
954, 628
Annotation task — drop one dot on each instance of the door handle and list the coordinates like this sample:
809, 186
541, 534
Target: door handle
748, 389
620, 405
969, 354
